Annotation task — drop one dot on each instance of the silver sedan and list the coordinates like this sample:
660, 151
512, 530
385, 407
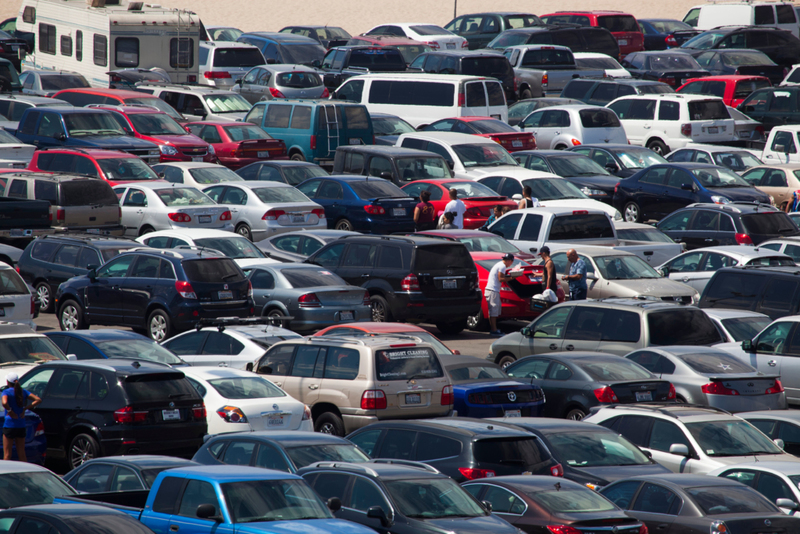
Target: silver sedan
299, 245
713, 377
268, 82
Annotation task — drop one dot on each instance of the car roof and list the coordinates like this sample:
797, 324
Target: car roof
254, 184
386, 328
8, 466
96, 153
682, 350
713, 148
155, 185
783, 468
790, 415
463, 426
282, 37
643, 303
591, 250
680, 96
456, 233
551, 425
397, 151
379, 469
334, 234
232, 473
687, 480
480, 256
120, 93
460, 360
743, 252
192, 233
64, 510
96, 240
615, 146
143, 461
286, 438
35, 100
192, 164
125, 366
725, 313
787, 166
210, 372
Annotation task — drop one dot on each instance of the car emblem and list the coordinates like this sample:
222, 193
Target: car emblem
275, 407
750, 384
449, 271
767, 522
171, 404
226, 286
643, 387
512, 396
412, 381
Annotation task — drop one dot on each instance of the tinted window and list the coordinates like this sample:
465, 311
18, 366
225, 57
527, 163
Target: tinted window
524, 451
43, 249
438, 257
411, 93
682, 327
431, 446
571, 227
622, 494
158, 387
404, 363
212, 270
87, 192
733, 290
657, 500
599, 118
768, 223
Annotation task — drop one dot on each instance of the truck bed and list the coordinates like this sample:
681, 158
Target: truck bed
130, 502
23, 217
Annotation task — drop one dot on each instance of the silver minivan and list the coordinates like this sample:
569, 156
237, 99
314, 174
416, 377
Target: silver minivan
222, 63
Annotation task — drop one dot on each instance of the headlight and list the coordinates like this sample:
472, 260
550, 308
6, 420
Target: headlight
716, 199
772, 200
617, 215
696, 298
211, 149
588, 191
168, 150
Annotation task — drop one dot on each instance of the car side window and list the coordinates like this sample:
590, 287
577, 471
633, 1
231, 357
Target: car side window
779, 295
657, 500
82, 350
64, 384
331, 256
197, 492
262, 279
93, 478
125, 480
398, 444
585, 324
657, 176
328, 485
534, 120
308, 361
330, 191
653, 362
432, 447
239, 453
504, 501
276, 361
365, 494
36, 381
219, 343
669, 111
715, 261
676, 221
783, 142
773, 487
341, 364
360, 255
367, 440
558, 371
551, 325
510, 188
135, 198
688, 263
67, 255
88, 256
269, 457
622, 494
117, 267
189, 343
745, 477
506, 226
529, 368
537, 164
665, 434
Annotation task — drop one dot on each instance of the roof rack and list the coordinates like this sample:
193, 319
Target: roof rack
406, 463
200, 249
165, 251
661, 407
222, 322
348, 338
119, 108
87, 236
386, 237
348, 465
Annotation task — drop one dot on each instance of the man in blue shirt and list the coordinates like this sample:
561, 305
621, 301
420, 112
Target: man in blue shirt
576, 276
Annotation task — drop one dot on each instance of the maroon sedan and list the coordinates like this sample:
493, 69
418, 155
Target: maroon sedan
238, 143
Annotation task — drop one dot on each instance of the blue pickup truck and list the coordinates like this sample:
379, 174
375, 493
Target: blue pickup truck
81, 128
226, 499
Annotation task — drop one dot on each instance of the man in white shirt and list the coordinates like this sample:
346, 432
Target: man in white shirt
492, 295
457, 207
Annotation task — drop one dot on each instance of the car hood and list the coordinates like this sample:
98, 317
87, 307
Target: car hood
307, 526
472, 525
602, 181
740, 193
111, 142
177, 140
655, 287
582, 203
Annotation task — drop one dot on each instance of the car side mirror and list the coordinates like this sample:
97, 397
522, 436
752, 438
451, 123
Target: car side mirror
591, 277
72, 357
779, 148
663, 271
376, 512
679, 449
487, 505
786, 503
334, 504
272, 61
188, 130
779, 443
747, 109
526, 331
208, 511
612, 167
199, 111
648, 454
457, 352
316, 64
92, 274
238, 82
748, 345
61, 137
162, 175
450, 164
386, 175
687, 187
249, 367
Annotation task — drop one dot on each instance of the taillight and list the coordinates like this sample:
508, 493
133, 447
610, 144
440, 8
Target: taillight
372, 209
557, 470
461, 101
719, 527
185, 290
410, 283
114, 78
325, 93
777, 388
736, 72
216, 75
479, 398
432, 44
232, 414
669, 80
516, 84
643, 529
544, 80
473, 212
313, 142
272, 215
464, 44
669, 40
179, 217
39, 429
743, 239
309, 300
373, 399
716, 388
616, 188
306, 413
447, 395
60, 215
605, 394
275, 93
366, 301
249, 289
319, 212
33, 305
226, 216
127, 415
563, 529
671, 395
575, 142
686, 130
472, 474
199, 411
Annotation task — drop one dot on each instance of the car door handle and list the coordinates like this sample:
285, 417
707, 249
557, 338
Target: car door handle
279, 384
364, 276
708, 240
772, 363
222, 364
553, 346
174, 528
313, 386
662, 526
115, 287
570, 347
646, 127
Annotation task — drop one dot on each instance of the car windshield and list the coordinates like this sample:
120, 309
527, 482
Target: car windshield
158, 104
432, 498
28, 350
716, 178
483, 155
126, 169
391, 126
715, 363
21, 489
233, 103
644, 234
57, 82
138, 349
576, 166
467, 373
369, 189
720, 500
669, 26
638, 158
738, 59
156, 124
184, 196
233, 247
298, 79
492, 126
604, 370
214, 174
599, 118
430, 29
741, 328
572, 500
738, 161
80, 124
594, 449
731, 438
246, 387
273, 500
305, 455
624, 268
553, 189
224, 34
411, 169
300, 278
597, 62
278, 195
302, 54
243, 132
490, 243
471, 189
669, 62
704, 40
410, 52
297, 174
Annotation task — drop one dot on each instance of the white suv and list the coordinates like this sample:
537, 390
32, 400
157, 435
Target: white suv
690, 439
561, 127
199, 102
664, 122
222, 63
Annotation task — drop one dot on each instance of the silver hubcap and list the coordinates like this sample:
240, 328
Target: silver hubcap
82, 451
43, 293
631, 213
158, 328
345, 226
506, 362
657, 150
69, 318
274, 313
326, 428
575, 416
378, 313
474, 320
243, 231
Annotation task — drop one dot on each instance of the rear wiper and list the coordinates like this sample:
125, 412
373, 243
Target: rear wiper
177, 395
230, 276
511, 461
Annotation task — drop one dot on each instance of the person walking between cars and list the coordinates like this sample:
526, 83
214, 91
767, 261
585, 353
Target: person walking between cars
527, 200
549, 278
576, 277
424, 213
492, 294
16, 401
497, 212
794, 202
456, 206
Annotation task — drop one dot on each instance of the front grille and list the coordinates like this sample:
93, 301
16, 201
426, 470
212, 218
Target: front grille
502, 397
682, 300
195, 151
149, 155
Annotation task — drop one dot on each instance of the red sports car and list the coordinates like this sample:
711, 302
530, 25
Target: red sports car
515, 296
238, 143
479, 199
496, 130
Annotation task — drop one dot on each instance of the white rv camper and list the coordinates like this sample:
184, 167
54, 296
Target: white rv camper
94, 37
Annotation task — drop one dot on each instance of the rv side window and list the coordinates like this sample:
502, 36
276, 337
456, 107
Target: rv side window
66, 45
47, 38
181, 53
29, 15
127, 52
79, 45
100, 50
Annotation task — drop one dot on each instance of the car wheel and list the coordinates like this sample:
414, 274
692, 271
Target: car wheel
146, 230
344, 225
244, 231
477, 322
658, 147
632, 213
575, 414
380, 309
525, 94
297, 156
82, 448
506, 360
159, 326
329, 423
70, 316
44, 296
452, 329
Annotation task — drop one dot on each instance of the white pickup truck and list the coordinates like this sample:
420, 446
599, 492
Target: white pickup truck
530, 229
783, 145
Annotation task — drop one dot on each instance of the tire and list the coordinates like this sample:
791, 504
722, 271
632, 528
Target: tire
45, 296
244, 231
146, 230
380, 309
297, 156
344, 225
277, 312
452, 329
575, 414
632, 212
70, 316
658, 147
82, 448
506, 360
477, 322
525, 94
680, 400
159, 326
329, 423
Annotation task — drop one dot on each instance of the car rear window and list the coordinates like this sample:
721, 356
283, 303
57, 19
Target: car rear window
654, 89
706, 110
212, 270
486, 66
618, 23
441, 257
63, 81
87, 193
686, 326
298, 79
547, 56
719, 500
378, 59
715, 363
311, 278
238, 57
430, 29
570, 227
603, 370
524, 451
745, 88
405, 363
599, 118
376, 189
158, 387
774, 223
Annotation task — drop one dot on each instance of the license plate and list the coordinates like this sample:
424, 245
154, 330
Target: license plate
623, 42
224, 295
355, 140
263, 153
449, 284
204, 218
644, 396
399, 212
298, 218
93, 231
516, 144
413, 398
451, 45
713, 129
346, 316
513, 413
274, 419
197, 158
14, 47
171, 415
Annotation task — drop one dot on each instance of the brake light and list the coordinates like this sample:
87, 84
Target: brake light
226, 216
472, 474
686, 130
325, 93
516, 84
372, 209
563, 529
33, 305
373, 399
461, 100
743, 239
669, 40
410, 283
249, 289
39, 429
275, 93
185, 290
473, 212
199, 411
447, 395
232, 414
127, 415
179, 217
464, 44
273, 215
115, 79
605, 394
479, 398
671, 395
60, 215
716, 388
777, 388
580, 212
216, 75
306, 413
557, 471
366, 301
319, 212
313, 142
643, 529
575, 142
544, 80
309, 300
616, 188
432, 44
669, 80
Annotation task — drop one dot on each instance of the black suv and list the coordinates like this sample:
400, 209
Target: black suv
414, 279
772, 291
52, 259
780, 45
577, 38
471, 62
773, 106
737, 223
396, 164
158, 292
342, 62
460, 447
91, 409
601, 92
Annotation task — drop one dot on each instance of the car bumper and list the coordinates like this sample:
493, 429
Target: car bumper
186, 315
512, 309
482, 411
237, 163
228, 226
417, 306
307, 320
747, 403
353, 422
383, 227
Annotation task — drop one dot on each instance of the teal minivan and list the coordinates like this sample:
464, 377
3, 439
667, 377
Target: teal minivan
312, 129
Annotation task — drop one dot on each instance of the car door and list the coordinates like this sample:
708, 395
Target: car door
358, 263
188, 346
686, 269
142, 286
134, 206
657, 507
648, 191
476, 101
37, 382
363, 495
305, 375
583, 331
196, 493
679, 191
702, 229
63, 404
218, 350
769, 350
675, 225
532, 123
546, 333
663, 435
104, 300
263, 282
64, 265
331, 197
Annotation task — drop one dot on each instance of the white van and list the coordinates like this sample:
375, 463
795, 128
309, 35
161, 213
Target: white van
421, 99
774, 14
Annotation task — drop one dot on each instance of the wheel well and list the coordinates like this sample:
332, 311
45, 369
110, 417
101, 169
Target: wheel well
324, 407
560, 147
145, 227
573, 405
502, 354
7, 260
80, 430
242, 224
649, 141
268, 308
152, 308
294, 150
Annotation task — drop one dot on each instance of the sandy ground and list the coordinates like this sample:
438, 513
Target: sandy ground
357, 16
